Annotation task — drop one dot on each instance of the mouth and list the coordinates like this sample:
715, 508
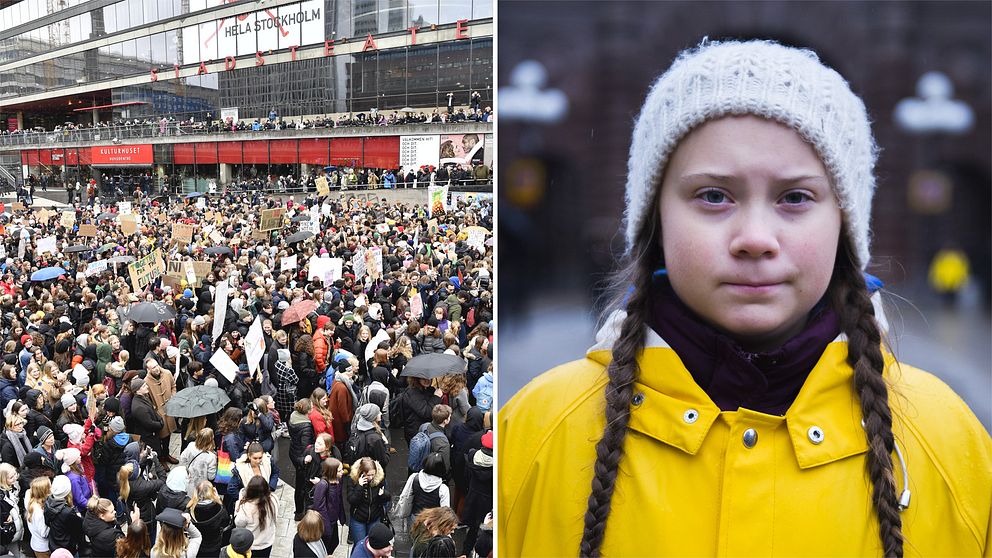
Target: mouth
754, 288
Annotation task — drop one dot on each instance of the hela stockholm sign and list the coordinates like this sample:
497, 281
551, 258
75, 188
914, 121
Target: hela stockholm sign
122, 155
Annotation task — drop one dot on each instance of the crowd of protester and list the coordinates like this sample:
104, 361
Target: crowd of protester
98, 458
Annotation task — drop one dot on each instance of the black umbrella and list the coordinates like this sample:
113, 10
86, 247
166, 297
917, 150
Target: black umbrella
150, 312
106, 217
433, 365
218, 250
300, 218
196, 401
298, 237
78, 248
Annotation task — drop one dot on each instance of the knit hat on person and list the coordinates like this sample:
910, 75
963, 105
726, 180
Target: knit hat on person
367, 414
61, 553
199, 321
136, 384
112, 405
177, 479
765, 79
117, 424
68, 457
68, 400
241, 540
25, 338
283, 305
487, 440
283, 355
43, 433
61, 487
74, 432
380, 536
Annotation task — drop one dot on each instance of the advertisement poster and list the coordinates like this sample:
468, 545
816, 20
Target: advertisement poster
272, 28
462, 149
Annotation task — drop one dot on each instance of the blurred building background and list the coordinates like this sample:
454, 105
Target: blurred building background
572, 77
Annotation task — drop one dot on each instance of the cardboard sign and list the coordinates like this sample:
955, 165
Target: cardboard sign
271, 219
202, 269
285, 264
44, 215
373, 262
182, 232
87, 230
358, 264
260, 235
216, 237
46, 244
124, 207
17, 206
201, 203
129, 225
146, 270
68, 219
322, 188
222, 362
163, 218
432, 228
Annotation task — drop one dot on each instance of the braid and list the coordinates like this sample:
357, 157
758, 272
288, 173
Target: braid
623, 371
857, 321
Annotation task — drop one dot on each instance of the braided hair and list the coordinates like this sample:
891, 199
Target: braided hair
849, 298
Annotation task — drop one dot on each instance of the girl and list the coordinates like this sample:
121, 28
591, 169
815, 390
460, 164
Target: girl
328, 500
100, 525
177, 537
200, 460
311, 540
136, 543
431, 533
320, 415
207, 513
72, 467
41, 489
741, 399
10, 514
256, 512
367, 497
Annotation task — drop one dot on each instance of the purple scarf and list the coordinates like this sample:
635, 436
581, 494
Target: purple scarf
732, 377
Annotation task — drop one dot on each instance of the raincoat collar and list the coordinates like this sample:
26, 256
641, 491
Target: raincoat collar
670, 407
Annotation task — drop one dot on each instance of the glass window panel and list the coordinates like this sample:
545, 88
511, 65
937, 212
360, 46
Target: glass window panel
482, 69
422, 80
226, 38
208, 42
171, 47
453, 70
144, 48
191, 45
164, 9
246, 40
312, 31
151, 11
130, 51
289, 35
197, 5
482, 9
123, 18
110, 18
268, 39
453, 10
422, 12
392, 78
136, 12
364, 19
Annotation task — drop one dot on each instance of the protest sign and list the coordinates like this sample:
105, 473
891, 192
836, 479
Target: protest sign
145, 270
182, 232
271, 219
87, 230
124, 207
223, 363
202, 269
416, 304
373, 262
217, 237
129, 225
17, 206
285, 264
95, 268
220, 311
46, 244
68, 219
201, 203
254, 345
437, 199
358, 264
322, 188
382, 228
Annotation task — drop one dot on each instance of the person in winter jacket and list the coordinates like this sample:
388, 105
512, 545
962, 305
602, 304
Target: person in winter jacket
174, 494
328, 500
425, 488
64, 522
177, 536
200, 460
372, 442
417, 403
80, 483
46, 448
241, 543
312, 540
342, 401
479, 500
34, 515
744, 372
320, 414
145, 420
83, 438
14, 442
483, 390
10, 505
429, 339
367, 497
100, 526
257, 511
431, 533
258, 425
253, 463
207, 513
287, 380
38, 411
8, 385
135, 489
108, 457
301, 436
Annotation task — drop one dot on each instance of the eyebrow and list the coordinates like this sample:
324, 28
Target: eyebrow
729, 178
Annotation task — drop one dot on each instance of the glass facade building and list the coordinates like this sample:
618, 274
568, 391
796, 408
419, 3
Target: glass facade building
58, 54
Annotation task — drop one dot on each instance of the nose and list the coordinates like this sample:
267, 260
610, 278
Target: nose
754, 234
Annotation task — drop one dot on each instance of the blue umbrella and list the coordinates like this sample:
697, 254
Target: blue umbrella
194, 195
330, 168
47, 273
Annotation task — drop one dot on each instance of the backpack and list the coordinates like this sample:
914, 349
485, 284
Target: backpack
420, 448
357, 446
397, 410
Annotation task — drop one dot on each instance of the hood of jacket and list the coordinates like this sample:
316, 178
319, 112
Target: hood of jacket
208, 514
132, 451
298, 418
54, 506
177, 479
428, 482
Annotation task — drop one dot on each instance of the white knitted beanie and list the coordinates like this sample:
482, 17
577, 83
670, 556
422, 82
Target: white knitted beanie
765, 79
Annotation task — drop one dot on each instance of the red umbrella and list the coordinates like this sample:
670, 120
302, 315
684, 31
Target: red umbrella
298, 311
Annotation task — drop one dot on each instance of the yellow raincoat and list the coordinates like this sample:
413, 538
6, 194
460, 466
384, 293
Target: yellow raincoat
689, 486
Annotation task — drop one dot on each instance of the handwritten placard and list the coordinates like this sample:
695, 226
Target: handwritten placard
322, 187
68, 219
87, 230
182, 232
129, 225
271, 219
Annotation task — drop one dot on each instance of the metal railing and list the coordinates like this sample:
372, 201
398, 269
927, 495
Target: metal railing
147, 129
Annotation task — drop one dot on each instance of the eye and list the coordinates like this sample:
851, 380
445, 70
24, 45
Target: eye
796, 198
713, 196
